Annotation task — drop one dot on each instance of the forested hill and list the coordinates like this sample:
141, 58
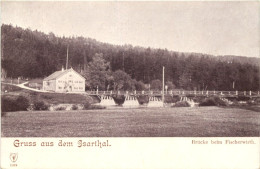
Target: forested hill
240, 59
35, 54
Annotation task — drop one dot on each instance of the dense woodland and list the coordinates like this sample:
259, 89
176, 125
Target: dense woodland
34, 54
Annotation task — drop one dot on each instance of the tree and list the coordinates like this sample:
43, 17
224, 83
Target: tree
122, 81
24, 50
98, 73
139, 85
170, 85
184, 81
156, 85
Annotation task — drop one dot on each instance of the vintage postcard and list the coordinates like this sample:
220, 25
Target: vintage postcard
130, 84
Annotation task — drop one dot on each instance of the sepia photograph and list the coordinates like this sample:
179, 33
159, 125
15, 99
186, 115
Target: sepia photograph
130, 69
130, 84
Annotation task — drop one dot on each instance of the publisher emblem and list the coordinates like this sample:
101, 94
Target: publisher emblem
13, 157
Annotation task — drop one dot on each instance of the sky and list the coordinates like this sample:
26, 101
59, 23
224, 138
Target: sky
218, 28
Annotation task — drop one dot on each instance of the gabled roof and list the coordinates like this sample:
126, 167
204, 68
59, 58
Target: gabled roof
57, 74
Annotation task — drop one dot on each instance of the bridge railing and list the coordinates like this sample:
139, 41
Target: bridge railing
178, 92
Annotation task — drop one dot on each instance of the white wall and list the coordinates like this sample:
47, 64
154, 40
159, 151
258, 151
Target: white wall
70, 79
49, 85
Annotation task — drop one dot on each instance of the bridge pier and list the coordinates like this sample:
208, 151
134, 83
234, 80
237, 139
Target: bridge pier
130, 101
106, 100
155, 102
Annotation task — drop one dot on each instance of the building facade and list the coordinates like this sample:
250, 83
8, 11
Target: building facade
64, 81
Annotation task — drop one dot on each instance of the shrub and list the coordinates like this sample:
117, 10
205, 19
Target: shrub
257, 100
7, 104
86, 105
60, 108
3, 114
21, 103
40, 105
253, 101
182, 104
175, 99
213, 101
74, 107
30, 108
168, 99
220, 102
143, 99
139, 85
119, 99
208, 102
198, 99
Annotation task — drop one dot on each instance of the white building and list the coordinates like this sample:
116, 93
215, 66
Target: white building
64, 81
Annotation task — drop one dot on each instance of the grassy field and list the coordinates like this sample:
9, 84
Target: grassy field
143, 122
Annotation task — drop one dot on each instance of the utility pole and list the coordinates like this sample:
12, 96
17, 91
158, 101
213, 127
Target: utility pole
85, 61
123, 61
163, 86
67, 57
85, 57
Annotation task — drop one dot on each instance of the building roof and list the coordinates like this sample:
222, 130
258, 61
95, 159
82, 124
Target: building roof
57, 74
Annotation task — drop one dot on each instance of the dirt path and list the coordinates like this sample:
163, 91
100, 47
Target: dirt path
22, 85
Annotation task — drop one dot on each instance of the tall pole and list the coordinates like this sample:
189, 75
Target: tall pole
67, 57
163, 86
85, 61
123, 61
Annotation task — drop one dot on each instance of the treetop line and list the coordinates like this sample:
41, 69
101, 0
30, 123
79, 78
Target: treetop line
33, 54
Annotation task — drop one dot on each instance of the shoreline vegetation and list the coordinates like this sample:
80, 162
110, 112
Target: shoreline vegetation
18, 99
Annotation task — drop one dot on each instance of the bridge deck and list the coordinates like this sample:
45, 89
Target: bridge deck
180, 93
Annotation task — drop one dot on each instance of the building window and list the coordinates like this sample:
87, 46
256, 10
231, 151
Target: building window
75, 88
80, 82
60, 87
70, 75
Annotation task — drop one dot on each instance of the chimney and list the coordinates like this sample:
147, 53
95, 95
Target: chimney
62, 69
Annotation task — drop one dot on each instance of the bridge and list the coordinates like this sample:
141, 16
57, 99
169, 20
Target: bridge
181, 93
154, 98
